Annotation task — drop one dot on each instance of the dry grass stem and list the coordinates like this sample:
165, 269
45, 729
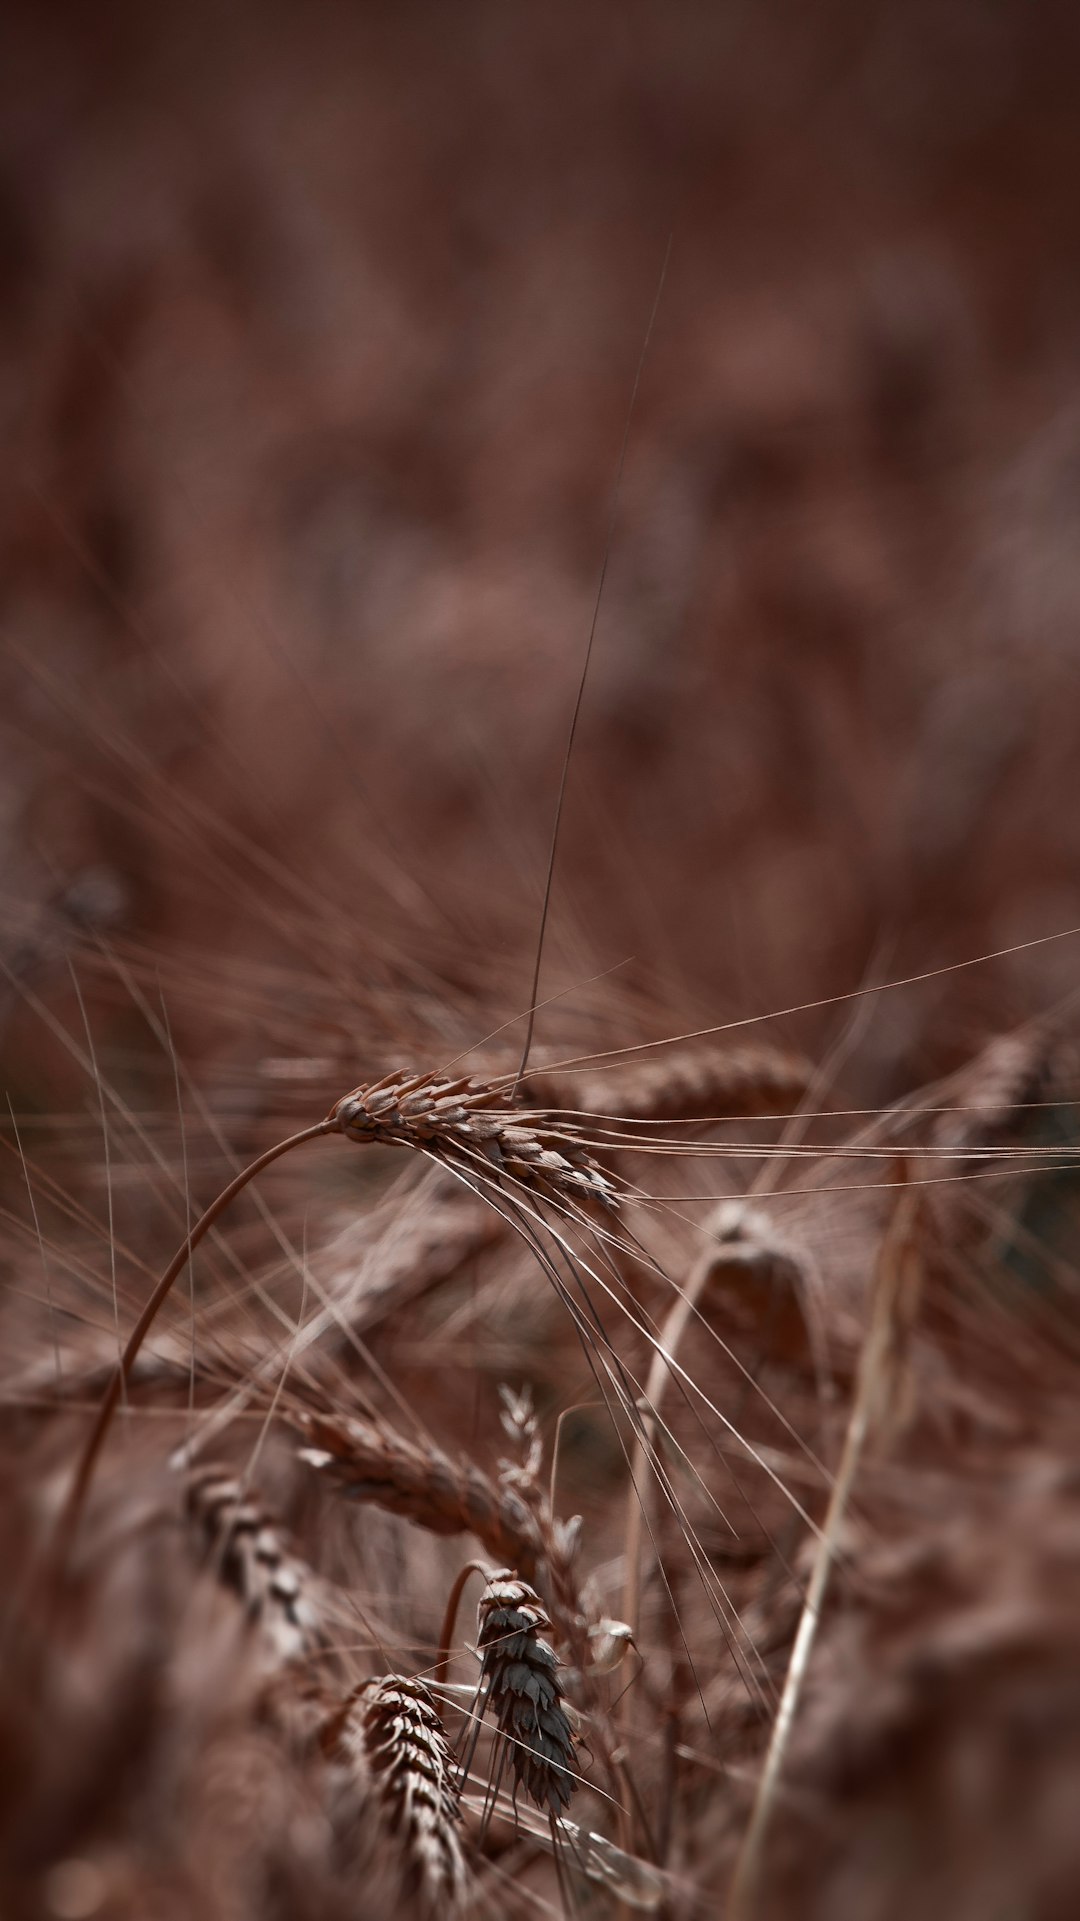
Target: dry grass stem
875, 1383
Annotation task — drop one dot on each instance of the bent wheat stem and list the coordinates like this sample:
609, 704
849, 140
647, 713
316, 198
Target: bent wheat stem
446, 1638
72, 1508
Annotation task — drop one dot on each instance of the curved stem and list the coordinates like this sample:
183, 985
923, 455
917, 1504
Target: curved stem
446, 1638
73, 1505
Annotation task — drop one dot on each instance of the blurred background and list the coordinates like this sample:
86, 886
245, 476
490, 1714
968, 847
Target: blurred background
319, 330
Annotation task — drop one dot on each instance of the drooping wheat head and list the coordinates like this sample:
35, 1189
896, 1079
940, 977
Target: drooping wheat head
469, 1125
369, 1460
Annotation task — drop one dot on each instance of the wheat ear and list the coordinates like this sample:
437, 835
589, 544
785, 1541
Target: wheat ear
247, 1549
1010, 1072
519, 1679
371, 1461
388, 1739
468, 1124
731, 1083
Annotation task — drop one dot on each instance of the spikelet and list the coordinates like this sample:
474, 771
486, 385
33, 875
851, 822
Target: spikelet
519, 1423
560, 1541
388, 1742
520, 1681
245, 1546
467, 1124
693, 1084
371, 1461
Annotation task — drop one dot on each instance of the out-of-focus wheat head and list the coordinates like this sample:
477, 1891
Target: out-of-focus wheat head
388, 1744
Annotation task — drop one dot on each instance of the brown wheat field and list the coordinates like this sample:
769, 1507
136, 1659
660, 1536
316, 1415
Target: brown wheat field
624, 1461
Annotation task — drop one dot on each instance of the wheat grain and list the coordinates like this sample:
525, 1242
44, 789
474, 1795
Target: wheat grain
466, 1124
520, 1681
389, 1746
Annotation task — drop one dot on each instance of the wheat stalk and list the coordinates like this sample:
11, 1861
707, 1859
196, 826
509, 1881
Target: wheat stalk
95, 1440
875, 1390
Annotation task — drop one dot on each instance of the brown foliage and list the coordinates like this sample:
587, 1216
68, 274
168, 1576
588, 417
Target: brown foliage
318, 331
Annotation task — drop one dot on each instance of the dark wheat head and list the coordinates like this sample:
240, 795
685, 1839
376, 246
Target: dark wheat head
520, 1678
